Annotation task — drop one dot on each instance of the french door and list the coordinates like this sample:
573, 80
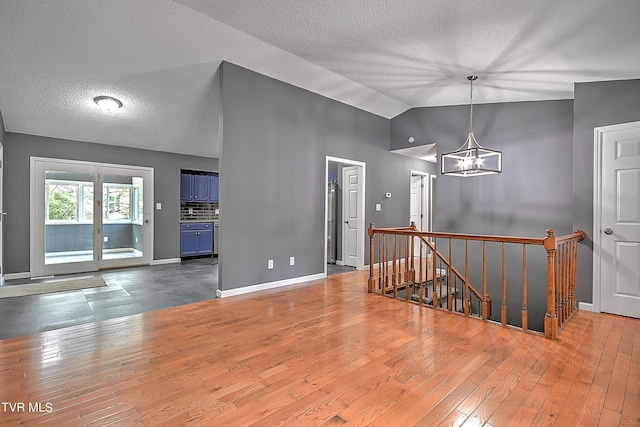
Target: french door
87, 216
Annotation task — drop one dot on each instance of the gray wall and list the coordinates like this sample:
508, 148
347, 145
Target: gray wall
273, 180
18, 148
596, 104
1, 129
533, 193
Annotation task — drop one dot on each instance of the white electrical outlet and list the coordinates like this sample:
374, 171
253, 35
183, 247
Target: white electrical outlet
378, 207
106, 238
136, 240
158, 206
292, 260
270, 264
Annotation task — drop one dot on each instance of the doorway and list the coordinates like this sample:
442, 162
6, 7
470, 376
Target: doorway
344, 212
420, 203
616, 227
88, 216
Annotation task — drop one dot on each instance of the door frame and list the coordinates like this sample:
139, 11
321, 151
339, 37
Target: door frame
33, 184
598, 138
362, 174
425, 199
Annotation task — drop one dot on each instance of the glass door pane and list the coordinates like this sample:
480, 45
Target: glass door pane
69, 217
124, 231
63, 218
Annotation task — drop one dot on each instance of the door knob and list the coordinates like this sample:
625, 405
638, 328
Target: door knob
608, 231
146, 221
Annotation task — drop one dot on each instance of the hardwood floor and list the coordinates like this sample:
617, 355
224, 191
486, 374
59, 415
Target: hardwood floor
324, 354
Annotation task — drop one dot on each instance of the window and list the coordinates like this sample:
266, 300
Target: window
73, 202
69, 201
116, 202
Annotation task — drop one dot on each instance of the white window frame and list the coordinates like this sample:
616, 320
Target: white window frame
80, 186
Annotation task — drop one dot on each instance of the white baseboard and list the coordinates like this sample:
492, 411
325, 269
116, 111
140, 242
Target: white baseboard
165, 261
585, 306
270, 285
14, 276
339, 262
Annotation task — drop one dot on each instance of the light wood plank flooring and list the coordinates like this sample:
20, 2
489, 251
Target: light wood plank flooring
323, 354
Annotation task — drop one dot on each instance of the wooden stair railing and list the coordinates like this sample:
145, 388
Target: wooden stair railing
484, 298
438, 283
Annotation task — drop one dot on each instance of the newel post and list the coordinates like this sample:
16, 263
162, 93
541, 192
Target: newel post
551, 318
372, 281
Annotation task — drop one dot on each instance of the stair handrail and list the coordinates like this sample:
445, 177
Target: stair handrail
561, 304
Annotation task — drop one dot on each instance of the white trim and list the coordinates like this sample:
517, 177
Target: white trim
598, 135
432, 199
585, 306
269, 285
89, 163
339, 262
15, 276
165, 261
362, 225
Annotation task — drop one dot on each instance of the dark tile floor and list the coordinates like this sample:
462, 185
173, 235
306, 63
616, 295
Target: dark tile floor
338, 269
128, 291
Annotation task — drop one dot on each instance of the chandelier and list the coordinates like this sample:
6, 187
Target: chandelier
471, 159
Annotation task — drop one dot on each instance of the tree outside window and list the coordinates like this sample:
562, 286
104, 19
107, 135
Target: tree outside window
63, 202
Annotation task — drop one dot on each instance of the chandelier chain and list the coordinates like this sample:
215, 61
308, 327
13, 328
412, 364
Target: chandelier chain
471, 79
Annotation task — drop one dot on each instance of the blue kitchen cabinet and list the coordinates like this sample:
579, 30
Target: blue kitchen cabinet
188, 243
201, 188
205, 241
214, 190
194, 187
196, 239
186, 184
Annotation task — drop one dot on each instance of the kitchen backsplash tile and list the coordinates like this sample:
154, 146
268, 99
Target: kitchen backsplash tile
199, 212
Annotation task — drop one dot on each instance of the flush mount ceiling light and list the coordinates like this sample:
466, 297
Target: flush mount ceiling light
471, 159
107, 103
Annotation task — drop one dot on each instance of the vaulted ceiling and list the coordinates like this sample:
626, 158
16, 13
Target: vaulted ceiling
159, 57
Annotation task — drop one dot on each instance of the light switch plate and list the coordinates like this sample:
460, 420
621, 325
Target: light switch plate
158, 206
270, 264
378, 207
292, 260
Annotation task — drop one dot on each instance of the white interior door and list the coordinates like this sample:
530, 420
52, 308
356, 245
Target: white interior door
1, 212
415, 201
352, 186
419, 205
620, 222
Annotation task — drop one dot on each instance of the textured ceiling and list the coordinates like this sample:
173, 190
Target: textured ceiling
160, 58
